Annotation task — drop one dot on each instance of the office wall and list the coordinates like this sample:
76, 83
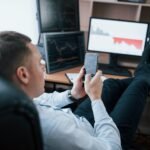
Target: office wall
19, 15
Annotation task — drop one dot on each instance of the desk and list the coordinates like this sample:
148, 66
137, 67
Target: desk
60, 78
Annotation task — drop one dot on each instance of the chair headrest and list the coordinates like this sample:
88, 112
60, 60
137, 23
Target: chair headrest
13, 99
19, 120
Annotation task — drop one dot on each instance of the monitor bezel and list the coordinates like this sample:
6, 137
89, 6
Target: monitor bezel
41, 30
139, 22
56, 34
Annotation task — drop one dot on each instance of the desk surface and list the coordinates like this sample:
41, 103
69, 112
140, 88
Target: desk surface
59, 77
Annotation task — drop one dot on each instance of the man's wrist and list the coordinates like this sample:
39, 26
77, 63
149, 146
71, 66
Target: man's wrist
71, 97
94, 98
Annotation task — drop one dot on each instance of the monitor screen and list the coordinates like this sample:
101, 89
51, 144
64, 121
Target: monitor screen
58, 15
117, 36
63, 50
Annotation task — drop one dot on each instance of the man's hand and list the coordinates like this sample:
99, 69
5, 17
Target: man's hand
78, 89
93, 86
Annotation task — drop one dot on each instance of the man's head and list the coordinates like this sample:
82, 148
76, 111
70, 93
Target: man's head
20, 62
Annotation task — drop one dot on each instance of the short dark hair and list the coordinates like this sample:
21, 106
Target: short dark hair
13, 52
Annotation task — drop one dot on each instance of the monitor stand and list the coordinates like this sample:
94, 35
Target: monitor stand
113, 68
41, 40
40, 46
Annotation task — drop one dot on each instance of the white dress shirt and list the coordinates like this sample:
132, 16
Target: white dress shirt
63, 130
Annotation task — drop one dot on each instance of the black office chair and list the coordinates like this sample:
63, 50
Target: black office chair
19, 122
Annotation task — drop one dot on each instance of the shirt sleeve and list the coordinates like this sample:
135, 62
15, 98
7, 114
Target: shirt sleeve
54, 99
104, 125
69, 135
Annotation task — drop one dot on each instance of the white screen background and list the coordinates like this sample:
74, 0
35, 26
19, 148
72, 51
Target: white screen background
117, 36
20, 16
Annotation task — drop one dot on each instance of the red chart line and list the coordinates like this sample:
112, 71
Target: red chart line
135, 42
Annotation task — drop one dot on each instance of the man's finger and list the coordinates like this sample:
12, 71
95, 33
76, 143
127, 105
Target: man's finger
98, 74
87, 78
81, 73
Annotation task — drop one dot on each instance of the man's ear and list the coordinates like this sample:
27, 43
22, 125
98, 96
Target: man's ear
23, 75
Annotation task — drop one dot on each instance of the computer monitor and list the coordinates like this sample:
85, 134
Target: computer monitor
63, 50
117, 37
58, 15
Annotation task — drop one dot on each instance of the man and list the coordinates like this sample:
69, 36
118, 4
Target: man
124, 100
21, 63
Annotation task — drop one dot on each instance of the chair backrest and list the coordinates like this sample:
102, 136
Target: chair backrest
19, 121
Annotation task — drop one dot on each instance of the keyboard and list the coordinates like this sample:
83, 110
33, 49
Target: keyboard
120, 71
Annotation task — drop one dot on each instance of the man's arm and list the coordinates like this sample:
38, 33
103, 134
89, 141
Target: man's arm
61, 99
104, 126
54, 99
66, 132
63, 133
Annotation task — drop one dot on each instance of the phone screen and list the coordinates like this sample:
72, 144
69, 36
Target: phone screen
90, 63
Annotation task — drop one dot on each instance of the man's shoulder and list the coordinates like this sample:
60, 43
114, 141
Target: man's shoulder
41, 98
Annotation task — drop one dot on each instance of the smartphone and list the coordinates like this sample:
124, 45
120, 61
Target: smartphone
90, 63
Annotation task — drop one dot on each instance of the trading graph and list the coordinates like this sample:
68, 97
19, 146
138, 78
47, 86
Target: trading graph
116, 41
134, 42
64, 50
110, 38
